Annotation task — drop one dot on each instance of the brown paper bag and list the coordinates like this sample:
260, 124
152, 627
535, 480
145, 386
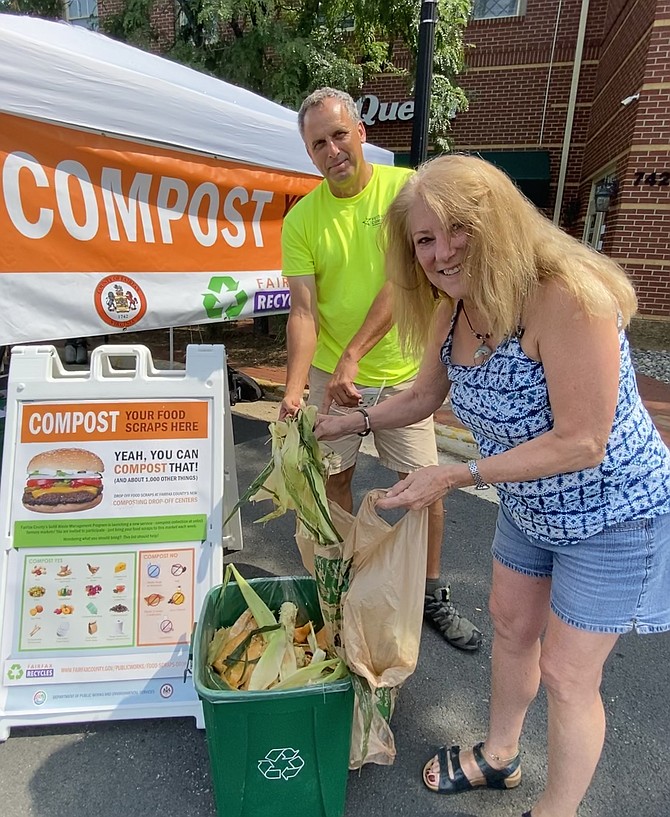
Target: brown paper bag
371, 591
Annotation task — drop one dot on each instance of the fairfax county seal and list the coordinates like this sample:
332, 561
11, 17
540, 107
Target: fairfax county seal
119, 301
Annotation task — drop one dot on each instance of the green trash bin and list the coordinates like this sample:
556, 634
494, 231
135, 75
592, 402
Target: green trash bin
273, 753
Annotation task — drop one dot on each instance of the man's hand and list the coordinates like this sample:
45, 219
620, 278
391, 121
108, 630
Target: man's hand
340, 389
289, 407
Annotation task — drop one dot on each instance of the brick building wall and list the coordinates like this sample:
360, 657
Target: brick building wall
634, 141
518, 79
520, 83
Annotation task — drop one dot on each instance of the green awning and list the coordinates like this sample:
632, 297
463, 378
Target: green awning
520, 164
529, 169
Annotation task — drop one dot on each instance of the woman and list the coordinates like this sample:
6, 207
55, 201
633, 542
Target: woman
524, 327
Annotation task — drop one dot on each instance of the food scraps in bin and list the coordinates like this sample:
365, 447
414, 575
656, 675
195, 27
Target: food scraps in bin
260, 651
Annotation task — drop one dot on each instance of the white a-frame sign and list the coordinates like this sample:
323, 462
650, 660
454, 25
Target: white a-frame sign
115, 484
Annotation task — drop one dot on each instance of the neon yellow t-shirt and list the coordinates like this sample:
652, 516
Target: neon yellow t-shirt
336, 241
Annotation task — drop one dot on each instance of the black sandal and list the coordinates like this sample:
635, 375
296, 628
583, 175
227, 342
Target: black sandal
506, 778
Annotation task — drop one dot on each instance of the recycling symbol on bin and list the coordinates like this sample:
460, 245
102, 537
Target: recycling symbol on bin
281, 763
214, 301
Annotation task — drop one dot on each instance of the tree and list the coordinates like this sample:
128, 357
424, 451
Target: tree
49, 9
283, 49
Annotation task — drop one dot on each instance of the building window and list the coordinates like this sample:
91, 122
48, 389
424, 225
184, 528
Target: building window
82, 13
492, 9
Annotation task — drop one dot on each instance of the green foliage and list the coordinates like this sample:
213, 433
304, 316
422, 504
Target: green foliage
49, 9
132, 24
284, 49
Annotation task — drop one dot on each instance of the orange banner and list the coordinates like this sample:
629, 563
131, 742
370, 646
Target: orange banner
61, 422
74, 201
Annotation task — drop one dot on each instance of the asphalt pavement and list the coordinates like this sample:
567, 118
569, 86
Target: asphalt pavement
155, 767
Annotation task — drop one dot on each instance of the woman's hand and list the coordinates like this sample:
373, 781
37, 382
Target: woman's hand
423, 487
332, 427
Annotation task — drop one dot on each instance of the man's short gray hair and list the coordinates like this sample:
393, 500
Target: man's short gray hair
319, 96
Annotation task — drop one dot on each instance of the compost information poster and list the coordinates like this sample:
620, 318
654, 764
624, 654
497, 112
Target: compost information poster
111, 473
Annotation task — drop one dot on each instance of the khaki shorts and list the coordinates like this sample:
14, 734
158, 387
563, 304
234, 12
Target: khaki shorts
400, 449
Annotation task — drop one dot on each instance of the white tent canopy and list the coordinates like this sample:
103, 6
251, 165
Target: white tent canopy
58, 72
136, 192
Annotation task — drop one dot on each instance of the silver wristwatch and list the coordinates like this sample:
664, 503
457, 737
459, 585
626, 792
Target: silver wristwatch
480, 485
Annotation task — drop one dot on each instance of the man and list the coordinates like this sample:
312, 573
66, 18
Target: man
340, 329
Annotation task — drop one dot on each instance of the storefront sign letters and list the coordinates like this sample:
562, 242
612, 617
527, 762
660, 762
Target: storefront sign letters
372, 110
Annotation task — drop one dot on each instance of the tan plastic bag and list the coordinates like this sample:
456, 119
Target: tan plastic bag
371, 590
382, 610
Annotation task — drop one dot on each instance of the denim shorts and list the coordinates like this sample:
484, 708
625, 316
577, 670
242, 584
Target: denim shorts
612, 582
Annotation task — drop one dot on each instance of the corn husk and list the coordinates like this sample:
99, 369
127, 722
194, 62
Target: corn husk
216, 643
235, 636
300, 634
266, 670
322, 639
316, 673
295, 477
240, 671
288, 613
259, 652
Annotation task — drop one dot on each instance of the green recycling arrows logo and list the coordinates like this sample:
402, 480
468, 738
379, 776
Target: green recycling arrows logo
281, 764
214, 303
15, 672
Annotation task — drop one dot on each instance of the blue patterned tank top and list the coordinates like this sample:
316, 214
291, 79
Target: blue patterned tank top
504, 402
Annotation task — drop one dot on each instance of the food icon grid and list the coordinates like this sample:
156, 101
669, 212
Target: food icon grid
82, 601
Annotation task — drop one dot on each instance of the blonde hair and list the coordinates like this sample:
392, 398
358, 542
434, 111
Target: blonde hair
511, 249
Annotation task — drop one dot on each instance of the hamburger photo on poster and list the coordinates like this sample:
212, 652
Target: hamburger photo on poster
63, 480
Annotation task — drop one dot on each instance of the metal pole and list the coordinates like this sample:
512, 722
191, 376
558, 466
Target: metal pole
572, 101
424, 73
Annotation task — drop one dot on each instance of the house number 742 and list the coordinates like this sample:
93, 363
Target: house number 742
653, 179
